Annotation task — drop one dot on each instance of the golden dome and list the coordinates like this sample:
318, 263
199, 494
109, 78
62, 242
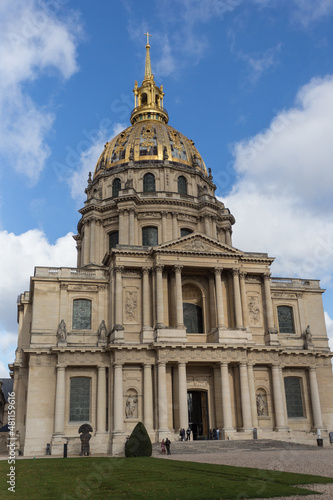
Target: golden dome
149, 137
149, 140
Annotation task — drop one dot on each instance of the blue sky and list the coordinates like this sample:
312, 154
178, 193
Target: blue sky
251, 82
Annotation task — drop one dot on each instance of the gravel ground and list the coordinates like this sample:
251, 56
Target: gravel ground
317, 462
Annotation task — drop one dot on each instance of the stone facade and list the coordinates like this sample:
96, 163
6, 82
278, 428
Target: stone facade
164, 321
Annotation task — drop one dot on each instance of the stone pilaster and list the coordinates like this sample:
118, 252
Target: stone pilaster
101, 400
182, 394
226, 400
118, 410
159, 297
237, 299
219, 298
280, 421
162, 400
245, 398
147, 397
242, 277
315, 400
59, 414
179, 296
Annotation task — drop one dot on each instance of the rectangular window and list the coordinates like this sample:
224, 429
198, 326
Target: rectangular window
79, 406
294, 397
286, 320
82, 314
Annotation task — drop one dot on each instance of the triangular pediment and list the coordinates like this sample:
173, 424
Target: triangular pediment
197, 243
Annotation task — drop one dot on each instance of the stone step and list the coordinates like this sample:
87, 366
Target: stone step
197, 447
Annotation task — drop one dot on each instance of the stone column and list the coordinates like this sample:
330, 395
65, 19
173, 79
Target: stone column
162, 398
252, 390
182, 395
315, 400
175, 234
131, 235
280, 423
219, 297
101, 400
228, 236
214, 228
164, 227
118, 411
226, 400
159, 297
59, 414
268, 302
92, 240
237, 299
119, 298
245, 397
207, 225
86, 240
145, 299
179, 296
121, 236
147, 397
212, 302
242, 277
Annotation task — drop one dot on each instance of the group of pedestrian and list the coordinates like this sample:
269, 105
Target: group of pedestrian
214, 434
165, 446
185, 435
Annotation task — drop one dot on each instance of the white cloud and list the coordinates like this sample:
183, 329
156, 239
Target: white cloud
19, 255
87, 160
259, 62
282, 198
33, 41
309, 11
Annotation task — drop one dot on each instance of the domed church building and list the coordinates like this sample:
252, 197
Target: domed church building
163, 320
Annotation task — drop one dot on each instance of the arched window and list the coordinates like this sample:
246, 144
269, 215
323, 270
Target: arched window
113, 239
116, 186
294, 398
184, 231
81, 314
79, 401
149, 236
182, 185
192, 308
149, 183
286, 320
143, 99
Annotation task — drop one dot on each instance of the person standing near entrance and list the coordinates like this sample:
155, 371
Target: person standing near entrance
167, 445
188, 434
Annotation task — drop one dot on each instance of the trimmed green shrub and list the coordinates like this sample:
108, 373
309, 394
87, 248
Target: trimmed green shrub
138, 444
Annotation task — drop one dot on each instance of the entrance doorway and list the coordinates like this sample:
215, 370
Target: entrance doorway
197, 402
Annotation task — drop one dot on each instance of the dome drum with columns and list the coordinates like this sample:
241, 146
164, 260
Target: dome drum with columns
163, 320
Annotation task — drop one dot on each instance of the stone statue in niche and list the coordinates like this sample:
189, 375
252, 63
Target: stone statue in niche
131, 305
261, 405
62, 331
308, 338
129, 182
254, 311
102, 331
131, 406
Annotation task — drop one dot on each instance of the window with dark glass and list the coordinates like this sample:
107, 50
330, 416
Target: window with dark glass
81, 314
286, 320
113, 239
294, 401
149, 183
116, 186
182, 185
192, 318
143, 99
184, 231
79, 404
149, 236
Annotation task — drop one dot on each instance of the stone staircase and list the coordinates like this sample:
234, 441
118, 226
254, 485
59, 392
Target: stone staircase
201, 447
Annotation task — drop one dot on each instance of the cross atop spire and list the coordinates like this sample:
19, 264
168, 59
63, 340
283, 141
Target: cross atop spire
148, 35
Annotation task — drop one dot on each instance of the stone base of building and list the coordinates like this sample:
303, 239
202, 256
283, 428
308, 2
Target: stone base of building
227, 336
170, 335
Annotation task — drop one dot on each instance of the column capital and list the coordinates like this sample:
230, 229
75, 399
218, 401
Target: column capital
243, 363
164, 213
312, 368
182, 363
224, 363
119, 269
145, 270
147, 364
160, 362
266, 276
218, 271
235, 271
117, 364
61, 367
177, 268
175, 214
100, 368
242, 275
158, 267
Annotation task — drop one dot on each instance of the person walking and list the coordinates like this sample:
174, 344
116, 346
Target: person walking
188, 434
163, 447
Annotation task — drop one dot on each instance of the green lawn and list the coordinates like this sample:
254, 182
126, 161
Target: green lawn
146, 479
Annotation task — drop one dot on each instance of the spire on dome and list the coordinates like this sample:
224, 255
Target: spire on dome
148, 73
148, 99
